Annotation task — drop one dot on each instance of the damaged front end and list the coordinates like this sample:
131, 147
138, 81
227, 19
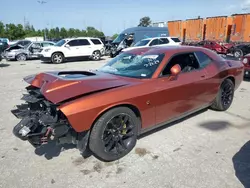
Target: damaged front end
41, 122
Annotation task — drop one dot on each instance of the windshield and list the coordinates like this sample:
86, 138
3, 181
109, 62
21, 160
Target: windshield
132, 65
119, 38
60, 43
142, 43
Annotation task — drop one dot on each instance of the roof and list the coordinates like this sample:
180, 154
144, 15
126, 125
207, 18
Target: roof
81, 38
133, 29
164, 49
150, 38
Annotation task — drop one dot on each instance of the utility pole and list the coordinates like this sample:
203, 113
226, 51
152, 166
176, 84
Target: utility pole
41, 3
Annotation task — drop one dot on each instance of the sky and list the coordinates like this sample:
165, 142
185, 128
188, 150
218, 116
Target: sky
112, 16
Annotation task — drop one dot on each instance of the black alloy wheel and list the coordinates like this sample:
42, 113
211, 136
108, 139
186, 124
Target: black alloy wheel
118, 134
114, 134
227, 94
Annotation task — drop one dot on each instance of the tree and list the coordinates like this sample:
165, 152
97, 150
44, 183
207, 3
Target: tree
18, 31
2, 29
63, 32
145, 21
114, 36
71, 32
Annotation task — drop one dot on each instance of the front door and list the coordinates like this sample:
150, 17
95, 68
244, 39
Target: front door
185, 94
73, 50
35, 49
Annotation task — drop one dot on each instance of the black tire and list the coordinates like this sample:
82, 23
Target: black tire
238, 53
21, 57
111, 55
104, 130
96, 56
219, 103
57, 58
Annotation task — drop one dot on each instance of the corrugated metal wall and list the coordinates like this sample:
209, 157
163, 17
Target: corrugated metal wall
194, 29
174, 28
235, 28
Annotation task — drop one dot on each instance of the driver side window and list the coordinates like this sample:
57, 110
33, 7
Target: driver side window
187, 62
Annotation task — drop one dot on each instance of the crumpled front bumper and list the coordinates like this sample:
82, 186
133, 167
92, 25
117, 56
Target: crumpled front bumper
41, 122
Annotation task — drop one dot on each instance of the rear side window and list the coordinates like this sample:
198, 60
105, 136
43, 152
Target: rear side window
176, 39
203, 59
96, 41
163, 41
46, 44
83, 42
154, 42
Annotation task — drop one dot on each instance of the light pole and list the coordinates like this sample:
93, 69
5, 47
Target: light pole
41, 3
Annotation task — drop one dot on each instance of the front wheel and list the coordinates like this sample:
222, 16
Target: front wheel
57, 58
114, 134
21, 57
224, 97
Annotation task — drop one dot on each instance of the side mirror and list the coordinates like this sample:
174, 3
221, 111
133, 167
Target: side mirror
175, 70
67, 46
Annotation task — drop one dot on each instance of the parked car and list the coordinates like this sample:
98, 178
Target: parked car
5, 40
155, 41
72, 48
20, 42
240, 50
246, 62
132, 35
137, 91
3, 47
217, 47
108, 45
30, 51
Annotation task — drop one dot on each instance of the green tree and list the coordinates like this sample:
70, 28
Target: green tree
145, 21
2, 29
114, 36
71, 32
13, 31
63, 32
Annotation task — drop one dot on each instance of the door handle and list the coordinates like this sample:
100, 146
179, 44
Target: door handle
203, 76
77, 48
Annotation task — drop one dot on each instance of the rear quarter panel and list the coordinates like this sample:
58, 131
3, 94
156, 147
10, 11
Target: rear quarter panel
222, 69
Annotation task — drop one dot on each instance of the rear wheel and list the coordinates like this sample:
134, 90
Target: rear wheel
96, 56
57, 58
224, 97
114, 134
238, 53
21, 57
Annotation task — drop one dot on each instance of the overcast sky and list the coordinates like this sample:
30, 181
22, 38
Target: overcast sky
114, 16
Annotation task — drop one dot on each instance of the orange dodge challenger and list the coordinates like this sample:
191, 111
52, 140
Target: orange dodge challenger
105, 110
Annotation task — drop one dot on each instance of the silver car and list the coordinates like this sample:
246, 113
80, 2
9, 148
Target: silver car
30, 51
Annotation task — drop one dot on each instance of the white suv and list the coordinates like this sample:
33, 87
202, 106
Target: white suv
155, 41
72, 48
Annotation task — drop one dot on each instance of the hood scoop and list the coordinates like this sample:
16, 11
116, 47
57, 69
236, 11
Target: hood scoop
75, 74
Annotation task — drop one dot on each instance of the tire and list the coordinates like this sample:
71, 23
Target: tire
111, 55
21, 57
96, 56
218, 103
103, 130
57, 58
238, 53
